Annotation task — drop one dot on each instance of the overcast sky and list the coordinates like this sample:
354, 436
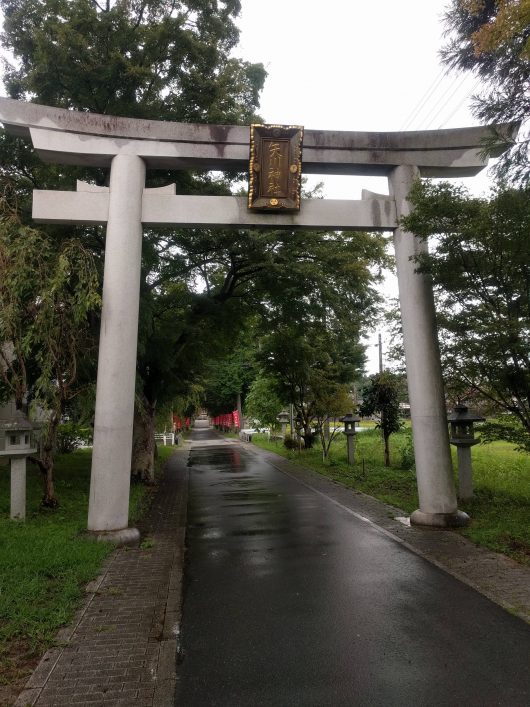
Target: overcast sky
347, 65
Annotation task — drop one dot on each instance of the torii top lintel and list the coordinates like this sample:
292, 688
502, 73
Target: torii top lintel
73, 137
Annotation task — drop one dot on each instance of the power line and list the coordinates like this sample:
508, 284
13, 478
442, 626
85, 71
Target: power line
426, 96
444, 98
459, 105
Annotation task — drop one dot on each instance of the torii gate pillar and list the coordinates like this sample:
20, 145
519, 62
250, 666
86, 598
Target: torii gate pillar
108, 509
434, 471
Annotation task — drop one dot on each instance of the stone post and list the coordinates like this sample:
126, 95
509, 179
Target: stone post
438, 504
111, 463
18, 488
350, 448
465, 473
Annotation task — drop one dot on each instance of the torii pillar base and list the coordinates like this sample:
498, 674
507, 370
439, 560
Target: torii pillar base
458, 519
128, 537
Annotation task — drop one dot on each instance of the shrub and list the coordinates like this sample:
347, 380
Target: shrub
407, 450
289, 442
71, 436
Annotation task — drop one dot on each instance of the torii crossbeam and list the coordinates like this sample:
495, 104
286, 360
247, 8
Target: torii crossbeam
130, 146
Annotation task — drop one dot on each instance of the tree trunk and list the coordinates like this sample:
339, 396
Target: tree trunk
45, 462
326, 433
387, 450
143, 452
323, 434
308, 437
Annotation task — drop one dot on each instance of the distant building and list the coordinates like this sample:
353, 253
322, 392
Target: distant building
404, 409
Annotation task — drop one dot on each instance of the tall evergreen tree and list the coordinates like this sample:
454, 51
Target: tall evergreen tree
492, 39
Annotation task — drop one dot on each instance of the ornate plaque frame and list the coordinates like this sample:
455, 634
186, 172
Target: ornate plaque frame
275, 168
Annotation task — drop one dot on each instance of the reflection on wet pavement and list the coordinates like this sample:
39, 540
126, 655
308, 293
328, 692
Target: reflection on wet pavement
291, 600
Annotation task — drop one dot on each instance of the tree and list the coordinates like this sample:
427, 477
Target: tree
381, 398
481, 271
154, 59
263, 404
146, 60
492, 38
310, 364
331, 402
230, 373
47, 293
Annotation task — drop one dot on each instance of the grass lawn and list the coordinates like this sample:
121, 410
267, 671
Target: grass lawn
500, 510
46, 560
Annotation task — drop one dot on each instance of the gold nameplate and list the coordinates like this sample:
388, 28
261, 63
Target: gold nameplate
275, 167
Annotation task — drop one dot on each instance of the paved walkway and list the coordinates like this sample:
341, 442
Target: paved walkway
292, 599
121, 648
123, 645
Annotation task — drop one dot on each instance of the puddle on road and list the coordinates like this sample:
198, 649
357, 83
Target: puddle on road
259, 531
250, 495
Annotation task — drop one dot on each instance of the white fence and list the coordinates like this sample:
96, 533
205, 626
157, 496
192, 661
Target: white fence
168, 438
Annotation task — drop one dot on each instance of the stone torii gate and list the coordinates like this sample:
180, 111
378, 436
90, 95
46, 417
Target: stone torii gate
129, 146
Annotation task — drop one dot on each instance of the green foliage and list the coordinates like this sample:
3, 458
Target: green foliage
306, 297
45, 561
331, 403
47, 293
311, 364
290, 442
481, 271
507, 428
176, 62
229, 374
183, 405
71, 436
48, 559
492, 39
381, 398
406, 450
153, 59
146, 60
262, 402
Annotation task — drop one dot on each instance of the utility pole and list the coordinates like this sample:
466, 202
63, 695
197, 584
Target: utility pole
380, 345
239, 409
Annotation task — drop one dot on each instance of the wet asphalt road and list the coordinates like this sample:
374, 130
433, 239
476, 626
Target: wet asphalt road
292, 600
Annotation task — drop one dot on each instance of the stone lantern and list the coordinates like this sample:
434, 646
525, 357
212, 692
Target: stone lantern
463, 437
17, 442
283, 419
349, 421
